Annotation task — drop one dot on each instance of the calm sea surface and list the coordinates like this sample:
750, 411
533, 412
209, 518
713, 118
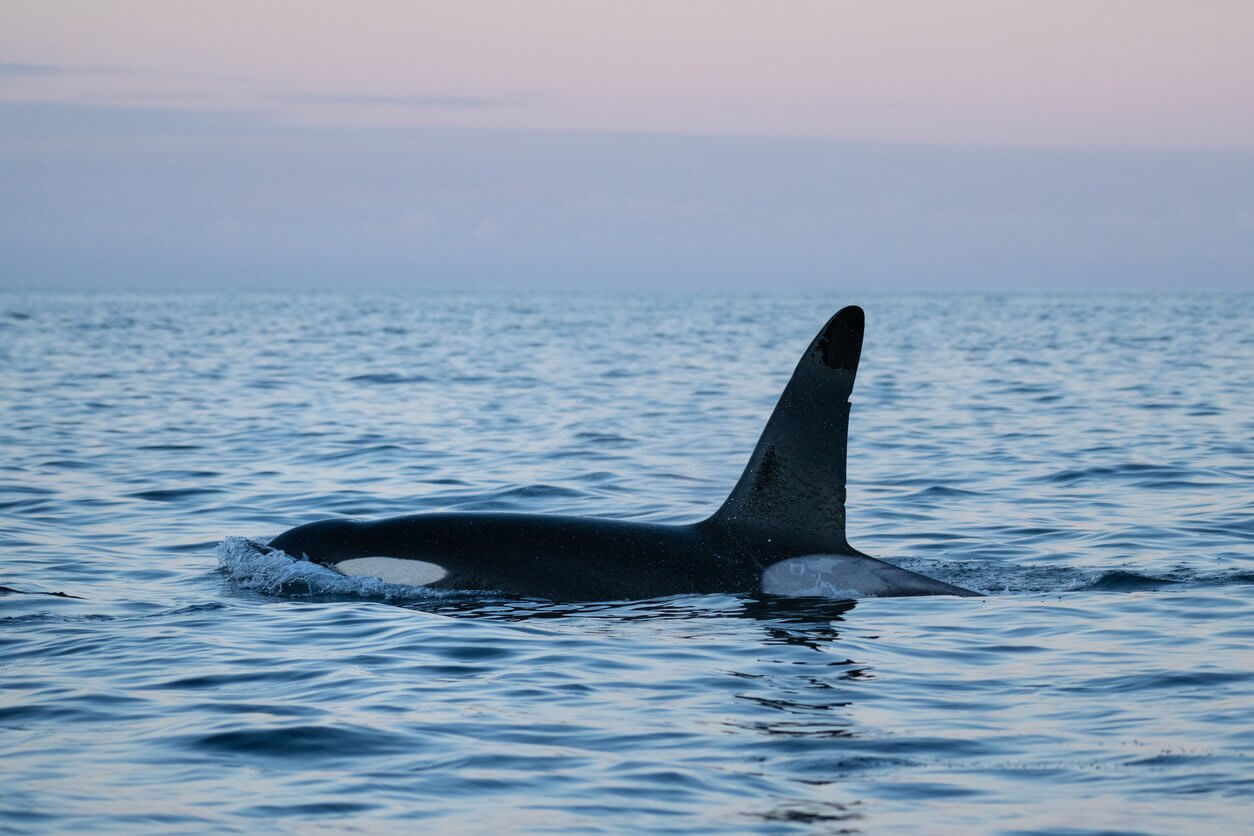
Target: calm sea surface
1087, 461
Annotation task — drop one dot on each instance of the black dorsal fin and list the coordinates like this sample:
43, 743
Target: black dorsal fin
795, 481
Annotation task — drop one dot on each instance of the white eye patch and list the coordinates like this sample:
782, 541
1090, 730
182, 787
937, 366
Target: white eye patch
392, 570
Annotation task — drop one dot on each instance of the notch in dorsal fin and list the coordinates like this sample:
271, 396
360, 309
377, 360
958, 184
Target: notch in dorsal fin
794, 483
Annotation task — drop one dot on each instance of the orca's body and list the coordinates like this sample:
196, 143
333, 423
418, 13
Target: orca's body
781, 531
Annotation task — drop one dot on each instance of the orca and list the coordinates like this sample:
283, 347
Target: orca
781, 531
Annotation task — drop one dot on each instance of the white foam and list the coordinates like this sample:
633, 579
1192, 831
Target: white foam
276, 573
392, 570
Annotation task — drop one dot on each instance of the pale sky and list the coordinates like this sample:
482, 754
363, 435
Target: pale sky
1113, 73
566, 139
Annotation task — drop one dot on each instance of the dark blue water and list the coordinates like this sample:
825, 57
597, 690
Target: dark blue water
1085, 460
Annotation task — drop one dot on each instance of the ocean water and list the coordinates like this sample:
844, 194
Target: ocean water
1087, 461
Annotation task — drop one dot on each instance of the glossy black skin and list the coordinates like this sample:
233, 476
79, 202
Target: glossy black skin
558, 558
790, 501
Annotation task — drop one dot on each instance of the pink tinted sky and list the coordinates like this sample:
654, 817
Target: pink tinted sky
1113, 73
689, 143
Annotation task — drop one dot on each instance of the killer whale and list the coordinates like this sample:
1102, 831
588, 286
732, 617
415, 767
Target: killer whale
781, 530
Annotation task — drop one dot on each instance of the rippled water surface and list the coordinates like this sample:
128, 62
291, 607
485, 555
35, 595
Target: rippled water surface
1084, 460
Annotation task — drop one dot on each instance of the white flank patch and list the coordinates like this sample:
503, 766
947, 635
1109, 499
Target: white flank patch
392, 570
825, 576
